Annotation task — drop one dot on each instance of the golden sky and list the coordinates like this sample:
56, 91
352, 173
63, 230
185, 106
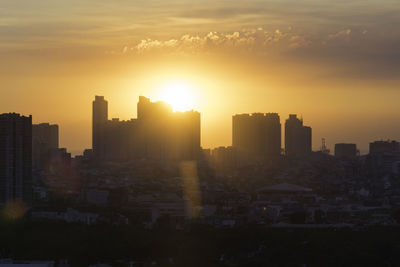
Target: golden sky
336, 63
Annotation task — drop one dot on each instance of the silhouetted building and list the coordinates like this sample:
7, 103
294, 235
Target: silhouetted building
45, 139
167, 135
383, 158
384, 147
121, 140
346, 151
154, 121
60, 156
185, 136
223, 158
298, 138
15, 158
206, 153
147, 110
256, 136
157, 134
100, 118
88, 153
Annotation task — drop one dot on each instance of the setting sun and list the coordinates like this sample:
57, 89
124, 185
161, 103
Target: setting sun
199, 133
179, 95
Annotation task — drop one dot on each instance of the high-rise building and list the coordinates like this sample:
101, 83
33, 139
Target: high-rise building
157, 134
257, 135
384, 147
147, 110
243, 135
184, 135
154, 120
15, 158
383, 158
45, 139
47, 134
100, 118
274, 134
121, 140
168, 135
346, 151
298, 138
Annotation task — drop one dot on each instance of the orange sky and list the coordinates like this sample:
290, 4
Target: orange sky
337, 64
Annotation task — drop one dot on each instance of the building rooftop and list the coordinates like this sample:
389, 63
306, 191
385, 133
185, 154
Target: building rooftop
285, 188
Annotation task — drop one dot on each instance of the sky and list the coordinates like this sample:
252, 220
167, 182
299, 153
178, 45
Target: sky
335, 63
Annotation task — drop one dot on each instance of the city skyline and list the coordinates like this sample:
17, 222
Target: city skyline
199, 133
337, 64
254, 115
157, 133
77, 141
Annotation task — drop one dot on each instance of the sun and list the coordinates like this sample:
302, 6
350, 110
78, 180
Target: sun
179, 95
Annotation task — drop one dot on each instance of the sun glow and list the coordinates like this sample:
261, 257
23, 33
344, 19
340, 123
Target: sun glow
179, 95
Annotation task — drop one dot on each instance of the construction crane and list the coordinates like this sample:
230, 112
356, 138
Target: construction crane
323, 148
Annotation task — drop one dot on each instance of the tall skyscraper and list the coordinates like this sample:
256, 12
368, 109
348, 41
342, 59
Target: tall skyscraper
242, 135
256, 136
384, 147
383, 158
46, 133
15, 158
121, 140
274, 134
297, 137
184, 135
147, 110
154, 125
168, 135
157, 134
100, 118
45, 140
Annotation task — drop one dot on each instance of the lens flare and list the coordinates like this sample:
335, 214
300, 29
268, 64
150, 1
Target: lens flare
191, 188
14, 210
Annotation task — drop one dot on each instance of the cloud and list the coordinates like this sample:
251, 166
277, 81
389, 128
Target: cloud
299, 41
339, 35
362, 55
256, 40
149, 44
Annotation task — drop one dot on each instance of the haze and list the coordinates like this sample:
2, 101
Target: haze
335, 63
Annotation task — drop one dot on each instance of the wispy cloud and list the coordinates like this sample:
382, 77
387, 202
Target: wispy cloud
341, 34
361, 32
251, 40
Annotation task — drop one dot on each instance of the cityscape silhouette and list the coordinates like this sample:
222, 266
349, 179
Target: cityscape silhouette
199, 133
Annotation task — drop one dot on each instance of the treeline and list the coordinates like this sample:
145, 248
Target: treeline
199, 246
